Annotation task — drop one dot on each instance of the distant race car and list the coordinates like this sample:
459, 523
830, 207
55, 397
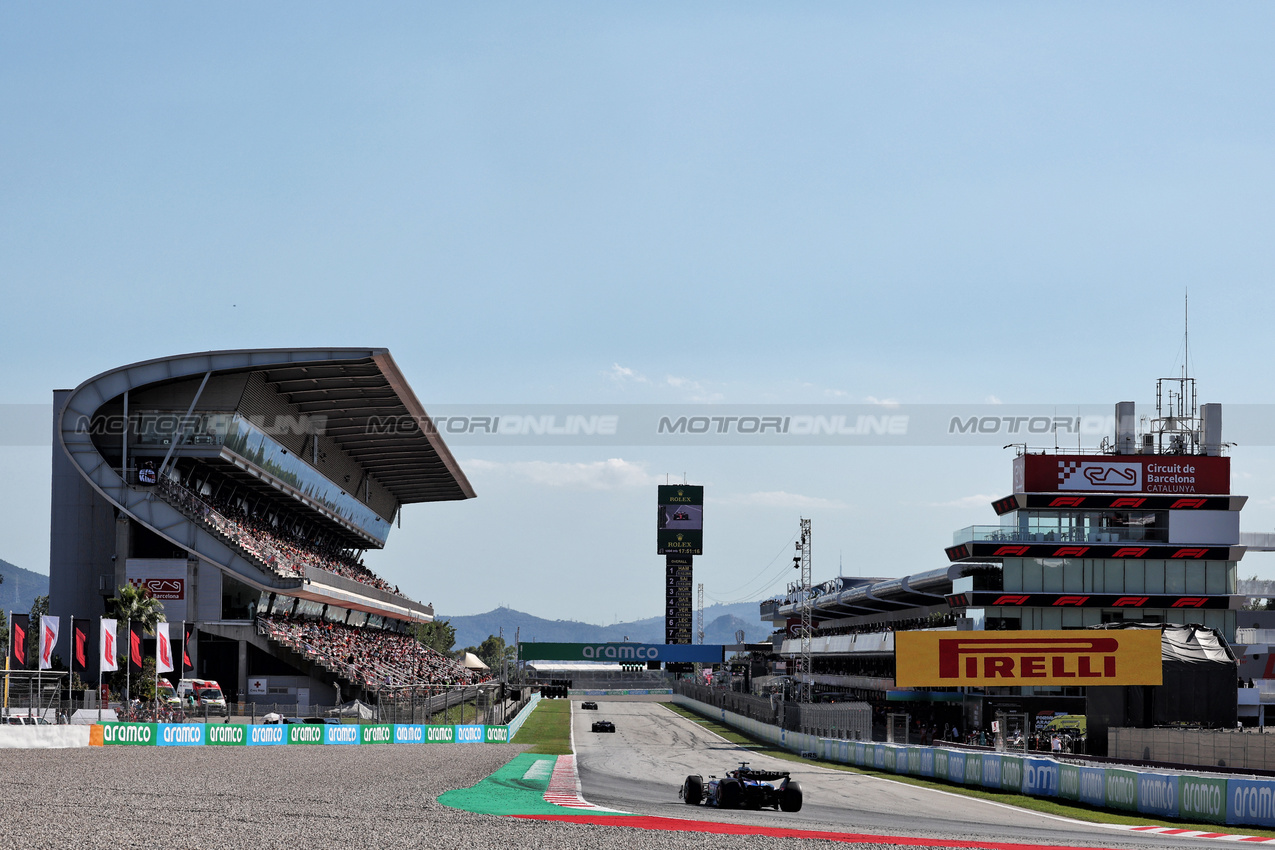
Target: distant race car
681, 516
589, 706
603, 726
744, 788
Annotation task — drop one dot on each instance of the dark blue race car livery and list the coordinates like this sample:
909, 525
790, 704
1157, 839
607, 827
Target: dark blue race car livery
744, 788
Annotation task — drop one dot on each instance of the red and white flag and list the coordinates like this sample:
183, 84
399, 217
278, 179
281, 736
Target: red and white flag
163, 650
48, 640
106, 646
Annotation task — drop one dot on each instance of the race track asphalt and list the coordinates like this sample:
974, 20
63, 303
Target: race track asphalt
640, 768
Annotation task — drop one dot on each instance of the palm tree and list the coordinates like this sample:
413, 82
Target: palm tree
133, 603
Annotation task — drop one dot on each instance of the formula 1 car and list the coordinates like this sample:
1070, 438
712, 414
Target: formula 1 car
681, 516
589, 706
744, 788
603, 726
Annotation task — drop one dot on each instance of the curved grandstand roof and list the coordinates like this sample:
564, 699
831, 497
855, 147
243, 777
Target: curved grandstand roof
370, 415
369, 408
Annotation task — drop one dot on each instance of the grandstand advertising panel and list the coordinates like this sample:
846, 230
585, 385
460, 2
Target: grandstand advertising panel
242, 490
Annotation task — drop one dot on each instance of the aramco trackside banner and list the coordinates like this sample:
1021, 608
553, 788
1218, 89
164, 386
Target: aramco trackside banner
1088, 657
622, 653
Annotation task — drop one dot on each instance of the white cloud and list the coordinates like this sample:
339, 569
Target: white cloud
991, 399
612, 474
977, 500
697, 392
835, 393
884, 402
621, 374
781, 499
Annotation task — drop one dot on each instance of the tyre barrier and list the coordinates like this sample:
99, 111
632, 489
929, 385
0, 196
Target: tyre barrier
1196, 798
295, 734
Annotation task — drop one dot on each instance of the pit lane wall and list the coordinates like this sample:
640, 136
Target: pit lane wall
1195, 798
284, 734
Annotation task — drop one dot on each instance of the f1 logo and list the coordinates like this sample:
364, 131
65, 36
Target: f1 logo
1067, 502
1127, 502
1187, 503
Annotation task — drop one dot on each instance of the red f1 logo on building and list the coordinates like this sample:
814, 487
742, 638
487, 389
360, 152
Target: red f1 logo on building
1067, 502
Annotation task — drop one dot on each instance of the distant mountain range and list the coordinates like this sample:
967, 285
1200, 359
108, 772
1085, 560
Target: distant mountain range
20, 588
720, 624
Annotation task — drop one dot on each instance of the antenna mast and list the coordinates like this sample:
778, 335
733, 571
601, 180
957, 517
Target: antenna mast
1177, 417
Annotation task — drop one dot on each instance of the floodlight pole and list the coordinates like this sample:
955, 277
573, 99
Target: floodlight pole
807, 615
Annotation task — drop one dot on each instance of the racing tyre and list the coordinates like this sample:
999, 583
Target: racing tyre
790, 799
729, 794
693, 790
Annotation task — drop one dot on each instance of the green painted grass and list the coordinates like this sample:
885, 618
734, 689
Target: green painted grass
548, 729
1060, 808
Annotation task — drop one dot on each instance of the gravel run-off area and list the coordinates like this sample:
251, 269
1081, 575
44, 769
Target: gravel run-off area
216, 798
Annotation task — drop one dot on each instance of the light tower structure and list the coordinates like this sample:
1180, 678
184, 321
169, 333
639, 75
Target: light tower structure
807, 613
699, 615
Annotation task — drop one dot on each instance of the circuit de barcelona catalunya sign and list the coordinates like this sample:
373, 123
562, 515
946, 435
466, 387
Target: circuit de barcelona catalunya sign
1089, 657
622, 653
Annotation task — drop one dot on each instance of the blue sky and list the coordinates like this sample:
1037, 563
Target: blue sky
602, 203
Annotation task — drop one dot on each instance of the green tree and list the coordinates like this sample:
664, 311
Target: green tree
494, 651
133, 603
142, 685
39, 608
439, 635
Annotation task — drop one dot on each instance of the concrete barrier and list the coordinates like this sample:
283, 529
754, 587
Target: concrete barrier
43, 737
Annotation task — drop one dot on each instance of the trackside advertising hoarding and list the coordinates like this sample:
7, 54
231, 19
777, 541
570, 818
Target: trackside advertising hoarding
1091, 657
179, 734
128, 734
632, 653
280, 734
226, 734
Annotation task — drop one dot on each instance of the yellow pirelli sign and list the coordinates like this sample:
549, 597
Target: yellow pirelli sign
1083, 657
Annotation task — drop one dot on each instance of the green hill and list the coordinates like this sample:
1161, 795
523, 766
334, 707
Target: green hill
20, 587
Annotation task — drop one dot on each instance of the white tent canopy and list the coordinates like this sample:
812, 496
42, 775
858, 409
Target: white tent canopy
473, 662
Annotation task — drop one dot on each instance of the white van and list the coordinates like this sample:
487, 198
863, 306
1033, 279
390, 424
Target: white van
206, 693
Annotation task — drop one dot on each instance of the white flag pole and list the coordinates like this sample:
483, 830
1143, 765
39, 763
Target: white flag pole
70, 667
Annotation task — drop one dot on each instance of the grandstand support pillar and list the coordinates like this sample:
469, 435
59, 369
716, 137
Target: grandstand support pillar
192, 591
243, 670
123, 541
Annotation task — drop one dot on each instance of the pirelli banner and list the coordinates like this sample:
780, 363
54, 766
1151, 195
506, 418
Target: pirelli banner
1078, 657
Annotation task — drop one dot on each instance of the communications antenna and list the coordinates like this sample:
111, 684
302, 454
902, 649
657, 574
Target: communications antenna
1176, 426
807, 613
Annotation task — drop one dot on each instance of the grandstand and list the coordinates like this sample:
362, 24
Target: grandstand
243, 489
